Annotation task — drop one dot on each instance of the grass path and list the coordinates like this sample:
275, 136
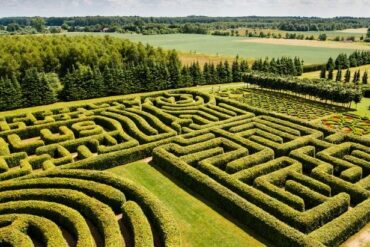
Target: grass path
199, 224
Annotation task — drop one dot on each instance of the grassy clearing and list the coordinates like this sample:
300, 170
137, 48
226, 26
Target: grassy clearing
231, 46
199, 224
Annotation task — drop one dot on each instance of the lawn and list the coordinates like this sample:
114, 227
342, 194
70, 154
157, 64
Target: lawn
200, 224
232, 46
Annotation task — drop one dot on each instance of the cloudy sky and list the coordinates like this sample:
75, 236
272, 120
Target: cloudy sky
325, 8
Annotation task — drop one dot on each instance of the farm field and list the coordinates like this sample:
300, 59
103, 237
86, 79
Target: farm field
231, 46
356, 32
293, 182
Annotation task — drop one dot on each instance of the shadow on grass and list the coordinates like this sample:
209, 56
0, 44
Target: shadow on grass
220, 211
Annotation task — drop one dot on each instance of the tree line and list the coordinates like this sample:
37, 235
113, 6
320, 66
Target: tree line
38, 70
345, 62
281, 66
318, 88
193, 24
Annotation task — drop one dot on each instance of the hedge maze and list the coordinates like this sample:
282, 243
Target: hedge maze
294, 183
281, 103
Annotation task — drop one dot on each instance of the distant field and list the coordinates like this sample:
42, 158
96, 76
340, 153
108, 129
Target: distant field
232, 46
309, 43
356, 32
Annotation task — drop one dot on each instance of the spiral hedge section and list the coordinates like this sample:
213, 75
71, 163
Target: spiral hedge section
295, 183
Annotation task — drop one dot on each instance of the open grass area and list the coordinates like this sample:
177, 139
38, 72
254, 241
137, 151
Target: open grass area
199, 223
231, 46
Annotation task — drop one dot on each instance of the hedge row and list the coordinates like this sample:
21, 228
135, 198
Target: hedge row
158, 216
247, 213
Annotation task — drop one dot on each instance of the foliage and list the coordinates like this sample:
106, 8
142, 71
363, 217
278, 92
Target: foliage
322, 89
281, 66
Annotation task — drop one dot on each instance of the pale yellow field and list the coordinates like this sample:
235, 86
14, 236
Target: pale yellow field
354, 30
309, 43
188, 58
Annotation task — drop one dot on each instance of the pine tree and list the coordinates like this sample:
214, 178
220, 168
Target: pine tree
228, 74
347, 77
96, 87
174, 67
339, 75
364, 78
10, 94
330, 74
186, 78
298, 66
330, 64
206, 74
323, 72
36, 89
236, 73
244, 66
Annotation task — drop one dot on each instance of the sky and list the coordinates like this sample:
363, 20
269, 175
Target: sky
321, 8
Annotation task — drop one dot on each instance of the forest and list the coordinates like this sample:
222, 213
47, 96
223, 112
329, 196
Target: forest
37, 70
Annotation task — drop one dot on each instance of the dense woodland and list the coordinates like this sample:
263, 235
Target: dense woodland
37, 70
190, 24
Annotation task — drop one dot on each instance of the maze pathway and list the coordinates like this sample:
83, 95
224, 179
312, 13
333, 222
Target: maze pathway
294, 183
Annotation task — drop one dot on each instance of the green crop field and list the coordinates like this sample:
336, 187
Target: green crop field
178, 168
232, 46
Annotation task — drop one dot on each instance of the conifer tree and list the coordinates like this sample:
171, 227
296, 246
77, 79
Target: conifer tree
339, 74
174, 67
347, 77
298, 66
364, 78
36, 89
244, 66
10, 94
330, 74
330, 64
323, 72
236, 73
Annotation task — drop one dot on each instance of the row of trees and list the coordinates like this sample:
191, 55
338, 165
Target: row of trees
319, 88
346, 77
281, 66
344, 61
194, 24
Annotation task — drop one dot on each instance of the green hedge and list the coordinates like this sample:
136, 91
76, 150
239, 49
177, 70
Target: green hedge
135, 219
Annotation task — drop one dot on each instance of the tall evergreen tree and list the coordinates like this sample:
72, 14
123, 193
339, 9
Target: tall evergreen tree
174, 68
364, 78
330, 74
330, 64
323, 72
36, 89
10, 94
236, 73
298, 66
347, 77
339, 74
